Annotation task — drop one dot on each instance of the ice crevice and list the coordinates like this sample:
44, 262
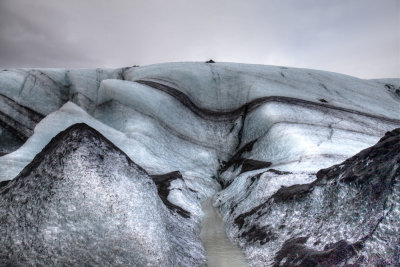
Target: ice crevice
240, 155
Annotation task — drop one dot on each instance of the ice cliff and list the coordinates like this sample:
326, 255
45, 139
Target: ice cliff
115, 163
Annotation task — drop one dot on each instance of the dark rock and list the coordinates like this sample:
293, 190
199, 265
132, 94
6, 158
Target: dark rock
251, 165
296, 253
237, 159
293, 192
241, 219
279, 172
393, 89
163, 183
4, 183
261, 234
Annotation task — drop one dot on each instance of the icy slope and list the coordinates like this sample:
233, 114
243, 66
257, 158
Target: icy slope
82, 201
207, 101
348, 215
197, 128
142, 146
228, 86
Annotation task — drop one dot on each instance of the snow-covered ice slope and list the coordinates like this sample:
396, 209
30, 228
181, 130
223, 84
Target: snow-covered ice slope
197, 128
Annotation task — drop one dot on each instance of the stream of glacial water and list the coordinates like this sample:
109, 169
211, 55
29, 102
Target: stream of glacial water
219, 249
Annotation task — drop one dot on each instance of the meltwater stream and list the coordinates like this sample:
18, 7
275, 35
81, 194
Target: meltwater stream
220, 250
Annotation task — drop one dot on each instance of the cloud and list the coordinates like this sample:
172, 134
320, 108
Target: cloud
356, 37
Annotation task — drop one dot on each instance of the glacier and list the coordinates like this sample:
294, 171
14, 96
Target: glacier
275, 150
81, 201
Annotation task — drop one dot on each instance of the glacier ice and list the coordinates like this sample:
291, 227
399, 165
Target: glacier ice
234, 134
346, 216
82, 201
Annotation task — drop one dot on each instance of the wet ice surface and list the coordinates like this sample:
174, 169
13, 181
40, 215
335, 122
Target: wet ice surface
219, 249
207, 121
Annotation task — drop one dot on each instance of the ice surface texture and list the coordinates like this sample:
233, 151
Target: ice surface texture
197, 128
82, 201
348, 215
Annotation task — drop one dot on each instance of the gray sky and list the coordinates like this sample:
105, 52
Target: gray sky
355, 37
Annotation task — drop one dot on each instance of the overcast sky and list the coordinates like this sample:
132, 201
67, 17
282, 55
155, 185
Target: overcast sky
355, 37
